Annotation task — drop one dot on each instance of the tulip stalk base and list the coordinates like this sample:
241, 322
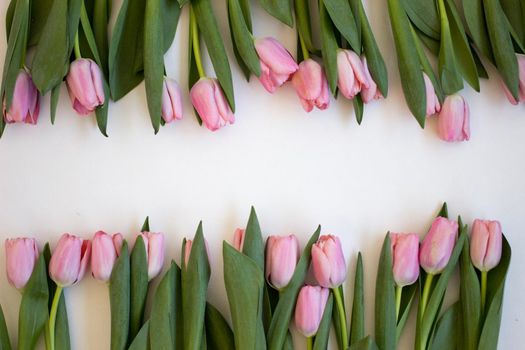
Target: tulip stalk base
77, 47
483, 290
309, 343
342, 317
196, 43
399, 291
53, 316
426, 292
304, 49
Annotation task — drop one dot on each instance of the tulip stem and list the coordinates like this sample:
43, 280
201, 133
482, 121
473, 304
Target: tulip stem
399, 291
195, 43
53, 317
77, 47
304, 49
309, 343
426, 292
342, 317
483, 290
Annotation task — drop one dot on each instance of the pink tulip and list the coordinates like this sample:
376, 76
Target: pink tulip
328, 262
309, 309
454, 117
405, 258
370, 92
351, 76
69, 260
211, 104
311, 85
171, 101
433, 105
25, 105
154, 244
486, 244
238, 239
85, 85
21, 255
437, 246
104, 252
521, 67
282, 254
277, 64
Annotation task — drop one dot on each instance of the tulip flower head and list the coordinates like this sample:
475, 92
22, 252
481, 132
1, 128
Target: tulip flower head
25, 105
282, 254
433, 105
311, 85
21, 255
69, 261
154, 244
211, 104
405, 258
171, 101
238, 239
521, 68
85, 85
104, 252
328, 261
437, 246
309, 309
370, 92
454, 119
277, 64
486, 244
351, 76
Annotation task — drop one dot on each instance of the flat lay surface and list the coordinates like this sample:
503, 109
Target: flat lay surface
297, 169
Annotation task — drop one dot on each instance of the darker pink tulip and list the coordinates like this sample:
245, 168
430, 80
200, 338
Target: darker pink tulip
69, 261
433, 105
104, 252
521, 72
238, 239
437, 246
25, 105
351, 76
309, 309
155, 245
328, 261
277, 64
454, 119
211, 104
282, 254
486, 244
370, 92
21, 255
85, 85
405, 258
171, 101
311, 85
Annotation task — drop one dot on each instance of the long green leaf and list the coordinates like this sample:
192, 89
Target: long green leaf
329, 47
101, 13
357, 325
343, 18
385, 301
5, 343
280, 9
139, 287
424, 14
141, 341
304, 30
253, 242
219, 335
283, 312
446, 334
515, 10
366, 343
323, 332
242, 37
119, 297
475, 20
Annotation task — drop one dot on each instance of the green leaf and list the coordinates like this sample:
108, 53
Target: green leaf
443, 212
210, 32
193, 72
5, 343
446, 333
408, 62
280, 9
33, 313
138, 287
357, 101
9, 17
55, 94
482, 72
119, 297
343, 18
329, 47
475, 21
357, 325
304, 30
141, 341
101, 13
244, 281
145, 225
195, 278
425, 64
323, 332
495, 290
374, 59
407, 299
502, 47
424, 14
283, 312
515, 10
242, 37
170, 20
364, 344
219, 335
355, 5
253, 242
385, 300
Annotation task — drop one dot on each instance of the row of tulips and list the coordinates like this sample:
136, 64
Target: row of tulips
268, 286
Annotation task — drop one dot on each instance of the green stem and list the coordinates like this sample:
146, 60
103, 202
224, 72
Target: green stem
342, 317
304, 49
46, 336
426, 292
77, 47
53, 316
399, 291
196, 43
309, 343
483, 290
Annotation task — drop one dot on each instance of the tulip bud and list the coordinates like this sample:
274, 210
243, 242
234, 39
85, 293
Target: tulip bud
437, 246
486, 244
85, 85
433, 105
405, 258
454, 117
309, 309
521, 72
25, 105
328, 261
277, 64
69, 260
311, 85
370, 92
171, 101
154, 244
282, 254
238, 239
104, 252
211, 104
351, 76
21, 255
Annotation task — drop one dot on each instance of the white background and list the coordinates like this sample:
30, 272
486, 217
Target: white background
299, 170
